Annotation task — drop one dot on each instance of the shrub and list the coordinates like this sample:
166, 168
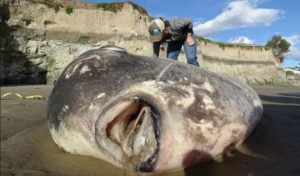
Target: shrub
57, 7
69, 10
279, 45
113, 7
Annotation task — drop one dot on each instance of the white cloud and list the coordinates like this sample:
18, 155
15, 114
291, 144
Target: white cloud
293, 39
242, 39
260, 1
294, 52
238, 14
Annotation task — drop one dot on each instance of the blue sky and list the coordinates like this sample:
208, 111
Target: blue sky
237, 21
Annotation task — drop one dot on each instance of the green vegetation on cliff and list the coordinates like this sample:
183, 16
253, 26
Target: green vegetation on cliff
49, 3
279, 45
116, 6
112, 6
69, 10
57, 7
231, 45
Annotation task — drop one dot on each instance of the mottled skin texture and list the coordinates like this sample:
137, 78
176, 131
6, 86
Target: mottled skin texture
148, 114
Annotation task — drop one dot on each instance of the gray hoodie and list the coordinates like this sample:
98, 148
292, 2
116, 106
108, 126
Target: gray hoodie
178, 30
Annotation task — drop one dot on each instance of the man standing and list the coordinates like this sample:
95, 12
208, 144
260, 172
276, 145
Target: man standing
175, 32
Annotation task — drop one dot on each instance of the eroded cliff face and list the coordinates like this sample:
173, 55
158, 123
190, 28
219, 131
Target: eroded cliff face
40, 37
38, 41
81, 18
252, 64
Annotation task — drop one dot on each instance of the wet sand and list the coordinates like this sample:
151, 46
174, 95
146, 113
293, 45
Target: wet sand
28, 149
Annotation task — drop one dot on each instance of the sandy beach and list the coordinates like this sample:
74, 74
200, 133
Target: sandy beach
28, 149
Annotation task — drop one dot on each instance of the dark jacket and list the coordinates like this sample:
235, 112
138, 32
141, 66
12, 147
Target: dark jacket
178, 30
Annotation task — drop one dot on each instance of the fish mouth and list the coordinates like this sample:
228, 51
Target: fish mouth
135, 128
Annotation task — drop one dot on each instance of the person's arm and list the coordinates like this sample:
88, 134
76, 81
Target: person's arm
156, 48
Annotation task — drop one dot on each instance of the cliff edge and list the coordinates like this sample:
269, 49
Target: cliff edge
38, 38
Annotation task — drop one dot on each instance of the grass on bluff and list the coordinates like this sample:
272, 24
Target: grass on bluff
231, 45
57, 7
49, 3
54, 5
112, 7
117, 6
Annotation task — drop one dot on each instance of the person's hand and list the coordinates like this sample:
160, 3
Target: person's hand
190, 40
166, 34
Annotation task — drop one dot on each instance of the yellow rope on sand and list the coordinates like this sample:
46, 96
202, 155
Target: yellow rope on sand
19, 95
35, 97
31, 97
6, 94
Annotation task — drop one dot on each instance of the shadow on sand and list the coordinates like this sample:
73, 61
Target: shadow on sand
272, 149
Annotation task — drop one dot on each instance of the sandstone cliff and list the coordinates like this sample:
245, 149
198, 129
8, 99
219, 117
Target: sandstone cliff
40, 37
249, 63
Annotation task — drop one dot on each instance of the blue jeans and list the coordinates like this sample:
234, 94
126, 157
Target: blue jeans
190, 51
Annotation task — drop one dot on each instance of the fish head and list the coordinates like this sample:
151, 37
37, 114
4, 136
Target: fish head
147, 114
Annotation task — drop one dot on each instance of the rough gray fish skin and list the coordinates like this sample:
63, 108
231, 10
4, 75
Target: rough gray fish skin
148, 114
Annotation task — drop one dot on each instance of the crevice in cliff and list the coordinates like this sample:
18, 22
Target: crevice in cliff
16, 68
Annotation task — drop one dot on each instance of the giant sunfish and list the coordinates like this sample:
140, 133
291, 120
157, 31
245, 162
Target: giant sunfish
148, 114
